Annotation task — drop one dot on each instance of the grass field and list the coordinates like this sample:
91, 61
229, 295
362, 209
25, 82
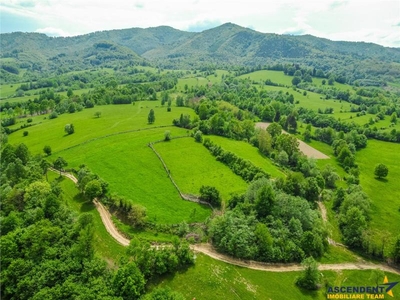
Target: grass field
211, 279
191, 165
384, 193
190, 81
134, 171
104, 244
275, 76
247, 151
114, 118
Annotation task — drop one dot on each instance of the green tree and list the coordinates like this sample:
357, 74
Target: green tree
353, 223
307, 135
381, 171
264, 201
69, 128
97, 114
393, 118
210, 194
93, 189
47, 150
129, 282
198, 136
151, 117
59, 164
296, 80
310, 277
167, 135
137, 215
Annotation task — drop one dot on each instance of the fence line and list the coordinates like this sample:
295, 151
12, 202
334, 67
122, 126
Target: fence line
186, 197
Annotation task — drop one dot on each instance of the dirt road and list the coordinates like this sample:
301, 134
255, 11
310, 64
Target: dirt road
208, 250
304, 148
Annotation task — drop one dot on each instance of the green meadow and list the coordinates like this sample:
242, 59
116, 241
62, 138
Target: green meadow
212, 279
134, 171
113, 119
275, 76
191, 166
384, 193
249, 152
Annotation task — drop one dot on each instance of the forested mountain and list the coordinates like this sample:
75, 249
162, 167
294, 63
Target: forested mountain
226, 45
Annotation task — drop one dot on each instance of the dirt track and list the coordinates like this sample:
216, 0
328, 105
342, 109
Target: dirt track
208, 250
305, 148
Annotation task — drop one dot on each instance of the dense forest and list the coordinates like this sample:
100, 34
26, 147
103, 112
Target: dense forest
226, 46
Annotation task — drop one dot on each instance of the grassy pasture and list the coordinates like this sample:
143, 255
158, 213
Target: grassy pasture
191, 166
211, 279
275, 76
385, 193
190, 81
133, 170
114, 118
8, 89
247, 151
217, 79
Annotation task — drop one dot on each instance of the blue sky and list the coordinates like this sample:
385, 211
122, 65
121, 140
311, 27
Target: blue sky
376, 21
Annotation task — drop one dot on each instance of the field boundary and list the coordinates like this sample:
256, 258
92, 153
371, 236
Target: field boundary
186, 197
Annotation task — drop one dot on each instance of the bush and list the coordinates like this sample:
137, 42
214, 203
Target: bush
210, 194
53, 115
29, 120
26, 133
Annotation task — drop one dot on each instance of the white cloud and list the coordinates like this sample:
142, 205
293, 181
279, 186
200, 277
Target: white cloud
51, 31
333, 19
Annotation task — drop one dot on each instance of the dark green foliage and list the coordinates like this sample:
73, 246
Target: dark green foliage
239, 166
47, 150
211, 195
69, 128
93, 189
59, 164
310, 277
267, 224
381, 171
129, 282
167, 135
151, 117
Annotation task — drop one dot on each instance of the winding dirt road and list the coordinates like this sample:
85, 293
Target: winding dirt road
208, 250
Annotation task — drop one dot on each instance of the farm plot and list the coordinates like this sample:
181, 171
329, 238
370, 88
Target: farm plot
191, 166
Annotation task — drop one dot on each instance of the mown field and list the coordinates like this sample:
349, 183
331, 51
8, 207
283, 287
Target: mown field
384, 193
212, 279
247, 151
114, 118
133, 170
191, 165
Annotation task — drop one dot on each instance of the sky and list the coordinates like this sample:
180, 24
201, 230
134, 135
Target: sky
376, 21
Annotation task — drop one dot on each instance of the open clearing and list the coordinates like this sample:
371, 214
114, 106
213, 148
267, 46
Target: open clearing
304, 148
133, 170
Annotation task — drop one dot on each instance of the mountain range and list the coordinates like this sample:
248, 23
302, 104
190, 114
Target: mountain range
223, 46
